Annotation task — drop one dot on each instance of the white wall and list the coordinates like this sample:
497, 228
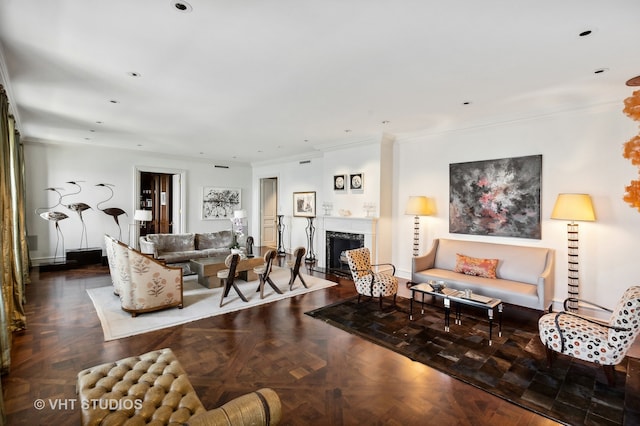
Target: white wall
49, 165
581, 152
317, 175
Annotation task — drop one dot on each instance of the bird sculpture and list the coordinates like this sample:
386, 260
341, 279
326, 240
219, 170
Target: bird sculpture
53, 216
78, 208
111, 211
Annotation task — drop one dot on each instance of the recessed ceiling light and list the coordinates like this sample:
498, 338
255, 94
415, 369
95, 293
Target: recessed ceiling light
87, 139
92, 130
585, 33
466, 103
98, 122
306, 140
113, 101
635, 81
139, 144
181, 6
134, 74
386, 122
601, 70
347, 131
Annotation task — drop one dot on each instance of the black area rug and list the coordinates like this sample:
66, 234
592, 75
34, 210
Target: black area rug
513, 368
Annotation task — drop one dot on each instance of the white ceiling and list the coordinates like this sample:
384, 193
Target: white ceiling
247, 80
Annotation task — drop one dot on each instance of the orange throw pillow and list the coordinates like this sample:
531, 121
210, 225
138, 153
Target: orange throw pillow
485, 268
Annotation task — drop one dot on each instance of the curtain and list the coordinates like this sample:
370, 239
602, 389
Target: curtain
14, 263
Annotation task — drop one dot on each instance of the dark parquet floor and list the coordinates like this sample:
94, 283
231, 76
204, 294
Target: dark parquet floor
323, 375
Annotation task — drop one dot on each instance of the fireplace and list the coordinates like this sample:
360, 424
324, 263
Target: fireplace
336, 244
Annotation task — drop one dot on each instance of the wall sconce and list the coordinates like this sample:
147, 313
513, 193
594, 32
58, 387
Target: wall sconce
417, 206
573, 207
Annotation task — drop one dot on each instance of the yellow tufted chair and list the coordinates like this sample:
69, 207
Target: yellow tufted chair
153, 388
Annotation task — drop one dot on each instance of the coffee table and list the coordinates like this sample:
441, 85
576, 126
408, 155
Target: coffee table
207, 269
458, 297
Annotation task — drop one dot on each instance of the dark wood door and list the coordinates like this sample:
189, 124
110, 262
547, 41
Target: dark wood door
156, 195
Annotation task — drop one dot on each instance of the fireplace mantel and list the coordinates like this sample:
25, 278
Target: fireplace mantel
350, 224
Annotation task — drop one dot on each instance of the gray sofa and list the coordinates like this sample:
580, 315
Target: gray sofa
524, 275
174, 248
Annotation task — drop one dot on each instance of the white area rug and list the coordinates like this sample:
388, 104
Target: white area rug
199, 302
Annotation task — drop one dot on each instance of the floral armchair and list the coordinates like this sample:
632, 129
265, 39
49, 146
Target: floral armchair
368, 281
600, 342
143, 283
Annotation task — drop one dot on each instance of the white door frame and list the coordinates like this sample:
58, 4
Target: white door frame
178, 213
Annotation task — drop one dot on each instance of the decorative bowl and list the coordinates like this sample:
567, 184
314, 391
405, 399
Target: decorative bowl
437, 286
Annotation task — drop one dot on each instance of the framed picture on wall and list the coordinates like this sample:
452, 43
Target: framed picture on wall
356, 181
219, 203
340, 182
496, 197
304, 204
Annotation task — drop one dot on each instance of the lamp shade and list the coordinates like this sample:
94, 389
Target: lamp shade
142, 215
573, 207
239, 214
419, 205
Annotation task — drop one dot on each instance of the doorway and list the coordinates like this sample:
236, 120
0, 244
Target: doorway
161, 190
269, 212
156, 194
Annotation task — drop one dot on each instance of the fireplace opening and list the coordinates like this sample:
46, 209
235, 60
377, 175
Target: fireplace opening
337, 244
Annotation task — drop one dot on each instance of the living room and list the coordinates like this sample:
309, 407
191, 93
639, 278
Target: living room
581, 153
227, 97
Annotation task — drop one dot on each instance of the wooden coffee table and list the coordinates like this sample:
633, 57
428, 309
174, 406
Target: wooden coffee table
207, 269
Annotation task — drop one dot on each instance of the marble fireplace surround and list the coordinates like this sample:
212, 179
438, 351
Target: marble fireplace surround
366, 226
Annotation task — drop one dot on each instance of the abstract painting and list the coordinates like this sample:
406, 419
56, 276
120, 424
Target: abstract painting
219, 203
496, 197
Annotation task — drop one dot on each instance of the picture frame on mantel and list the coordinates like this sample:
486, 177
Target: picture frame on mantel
219, 203
304, 204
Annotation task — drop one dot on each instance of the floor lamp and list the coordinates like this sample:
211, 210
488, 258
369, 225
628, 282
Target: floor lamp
573, 207
418, 205
141, 217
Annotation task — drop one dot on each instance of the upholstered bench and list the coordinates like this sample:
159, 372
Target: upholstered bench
154, 389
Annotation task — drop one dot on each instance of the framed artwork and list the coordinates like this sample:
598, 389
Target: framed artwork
356, 181
219, 203
339, 182
304, 204
496, 197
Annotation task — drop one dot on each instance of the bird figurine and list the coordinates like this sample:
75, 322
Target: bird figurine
111, 211
78, 208
54, 216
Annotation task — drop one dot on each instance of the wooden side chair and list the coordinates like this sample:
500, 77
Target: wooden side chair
294, 266
264, 271
228, 276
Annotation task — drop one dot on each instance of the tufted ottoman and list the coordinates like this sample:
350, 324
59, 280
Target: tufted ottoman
154, 389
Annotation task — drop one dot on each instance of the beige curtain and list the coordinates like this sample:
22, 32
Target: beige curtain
14, 264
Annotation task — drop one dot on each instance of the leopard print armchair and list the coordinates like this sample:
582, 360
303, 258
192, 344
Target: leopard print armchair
369, 281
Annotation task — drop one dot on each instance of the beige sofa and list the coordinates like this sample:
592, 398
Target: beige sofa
524, 275
174, 248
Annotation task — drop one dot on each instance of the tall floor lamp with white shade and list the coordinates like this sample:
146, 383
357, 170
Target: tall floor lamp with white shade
418, 205
573, 207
